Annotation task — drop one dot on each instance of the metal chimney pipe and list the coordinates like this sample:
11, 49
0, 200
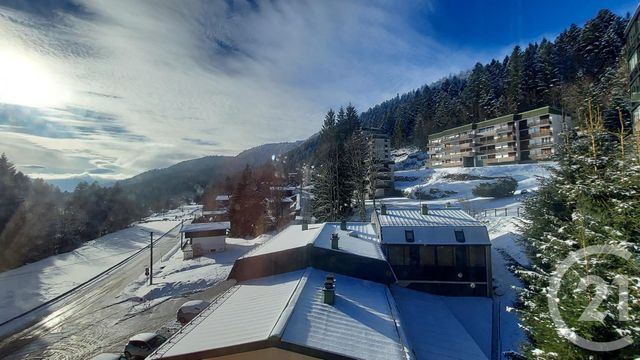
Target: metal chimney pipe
424, 209
383, 209
334, 241
329, 290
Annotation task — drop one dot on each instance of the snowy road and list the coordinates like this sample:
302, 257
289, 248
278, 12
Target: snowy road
92, 320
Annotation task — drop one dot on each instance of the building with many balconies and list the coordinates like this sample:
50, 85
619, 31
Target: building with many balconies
523, 137
632, 38
379, 163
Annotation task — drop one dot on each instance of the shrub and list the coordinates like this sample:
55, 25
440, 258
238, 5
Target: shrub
503, 187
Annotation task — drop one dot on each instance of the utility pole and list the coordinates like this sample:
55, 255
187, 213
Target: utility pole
151, 261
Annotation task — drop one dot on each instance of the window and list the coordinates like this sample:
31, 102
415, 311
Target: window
476, 256
408, 236
427, 256
445, 255
633, 61
459, 235
399, 255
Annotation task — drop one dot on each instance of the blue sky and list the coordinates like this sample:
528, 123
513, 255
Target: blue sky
113, 88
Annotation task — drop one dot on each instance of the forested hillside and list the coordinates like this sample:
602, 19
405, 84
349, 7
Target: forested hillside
540, 74
38, 220
186, 181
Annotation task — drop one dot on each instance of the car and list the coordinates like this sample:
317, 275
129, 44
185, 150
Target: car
109, 356
190, 309
141, 345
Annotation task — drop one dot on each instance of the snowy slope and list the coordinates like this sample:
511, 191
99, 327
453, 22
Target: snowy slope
30, 285
424, 180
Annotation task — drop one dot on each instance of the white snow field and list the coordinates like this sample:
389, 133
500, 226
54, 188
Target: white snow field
25, 287
174, 276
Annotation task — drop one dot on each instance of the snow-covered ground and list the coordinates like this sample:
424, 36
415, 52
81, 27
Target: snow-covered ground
30, 285
452, 180
174, 276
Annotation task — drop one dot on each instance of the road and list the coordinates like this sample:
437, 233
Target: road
93, 320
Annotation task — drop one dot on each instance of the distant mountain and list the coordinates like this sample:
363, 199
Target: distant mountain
186, 180
69, 184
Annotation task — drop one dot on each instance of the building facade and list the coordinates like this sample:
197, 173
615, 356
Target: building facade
379, 163
632, 38
523, 137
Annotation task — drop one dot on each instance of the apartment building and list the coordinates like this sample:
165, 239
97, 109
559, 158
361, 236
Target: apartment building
379, 163
523, 137
632, 37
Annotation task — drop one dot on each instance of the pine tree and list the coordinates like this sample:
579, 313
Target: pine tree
513, 85
397, 139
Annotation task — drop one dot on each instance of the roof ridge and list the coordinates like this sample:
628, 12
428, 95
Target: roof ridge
395, 313
285, 315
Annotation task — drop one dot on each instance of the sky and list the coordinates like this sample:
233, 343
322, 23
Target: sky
111, 88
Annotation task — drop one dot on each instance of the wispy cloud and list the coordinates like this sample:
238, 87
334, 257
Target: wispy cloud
149, 83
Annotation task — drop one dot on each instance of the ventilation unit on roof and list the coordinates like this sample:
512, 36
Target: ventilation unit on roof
459, 235
329, 290
424, 209
383, 209
343, 224
334, 241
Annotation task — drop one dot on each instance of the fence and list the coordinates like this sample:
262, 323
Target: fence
510, 211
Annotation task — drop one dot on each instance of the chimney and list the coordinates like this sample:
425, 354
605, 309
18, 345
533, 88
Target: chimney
334, 241
305, 225
383, 209
329, 290
424, 209
343, 224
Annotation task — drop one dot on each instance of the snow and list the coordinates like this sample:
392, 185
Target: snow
33, 284
441, 327
427, 179
175, 276
207, 226
408, 158
359, 239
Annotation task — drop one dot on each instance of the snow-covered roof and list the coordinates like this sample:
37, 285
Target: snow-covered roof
438, 227
288, 308
206, 226
214, 212
223, 197
359, 239
441, 327
435, 217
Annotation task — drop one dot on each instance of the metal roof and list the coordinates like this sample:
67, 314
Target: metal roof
288, 309
360, 324
438, 227
207, 226
435, 217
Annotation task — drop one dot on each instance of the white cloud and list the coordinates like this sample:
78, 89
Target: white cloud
234, 77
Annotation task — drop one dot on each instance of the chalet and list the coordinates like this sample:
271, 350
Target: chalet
204, 237
442, 251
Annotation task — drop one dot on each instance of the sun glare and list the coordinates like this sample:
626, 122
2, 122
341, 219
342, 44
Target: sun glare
24, 81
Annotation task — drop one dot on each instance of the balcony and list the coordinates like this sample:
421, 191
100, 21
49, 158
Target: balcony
540, 134
541, 122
